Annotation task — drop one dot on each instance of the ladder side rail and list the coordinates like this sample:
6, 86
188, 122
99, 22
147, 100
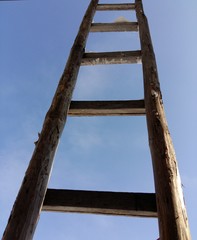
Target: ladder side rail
25, 213
173, 222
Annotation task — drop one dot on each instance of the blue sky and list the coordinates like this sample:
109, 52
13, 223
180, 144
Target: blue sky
94, 153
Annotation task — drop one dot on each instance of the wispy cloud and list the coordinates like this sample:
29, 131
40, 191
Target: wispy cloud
89, 82
189, 182
85, 140
13, 165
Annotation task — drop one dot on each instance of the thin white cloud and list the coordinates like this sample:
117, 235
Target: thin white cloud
89, 82
189, 182
85, 141
13, 165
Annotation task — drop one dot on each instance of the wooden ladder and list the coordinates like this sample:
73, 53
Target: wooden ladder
167, 204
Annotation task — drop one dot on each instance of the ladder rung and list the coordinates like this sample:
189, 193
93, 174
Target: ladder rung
107, 108
112, 7
111, 58
114, 27
113, 203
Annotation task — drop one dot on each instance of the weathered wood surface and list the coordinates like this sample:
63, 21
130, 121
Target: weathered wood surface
114, 27
107, 108
124, 57
173, 222
27, 207
113, 203
112, 7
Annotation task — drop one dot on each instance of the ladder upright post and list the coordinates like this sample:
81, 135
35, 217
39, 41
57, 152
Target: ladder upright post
173, 222
27, 207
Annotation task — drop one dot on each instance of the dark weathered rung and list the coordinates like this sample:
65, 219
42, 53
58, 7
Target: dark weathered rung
113, 203
111, 58
112, 7
114, 27
107, 108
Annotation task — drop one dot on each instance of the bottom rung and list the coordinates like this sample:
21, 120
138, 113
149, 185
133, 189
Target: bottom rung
112, 203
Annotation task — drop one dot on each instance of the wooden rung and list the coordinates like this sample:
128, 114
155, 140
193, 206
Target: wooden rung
107, 108
114, 27
111, 58
113, 203
112, 7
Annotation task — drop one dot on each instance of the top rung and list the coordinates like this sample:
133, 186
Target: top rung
114, 7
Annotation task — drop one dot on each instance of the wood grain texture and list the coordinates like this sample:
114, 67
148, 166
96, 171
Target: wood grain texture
114, 27
107, 108
97, 202
124, 57
173, 222
112, 7
27, 207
